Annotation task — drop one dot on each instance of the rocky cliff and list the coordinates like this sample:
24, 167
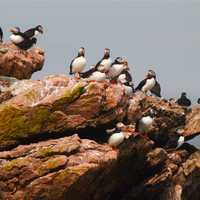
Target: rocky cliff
54, 144
18, 63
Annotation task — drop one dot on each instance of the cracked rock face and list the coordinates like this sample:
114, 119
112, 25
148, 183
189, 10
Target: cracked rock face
19, 63
58, 104
41, 157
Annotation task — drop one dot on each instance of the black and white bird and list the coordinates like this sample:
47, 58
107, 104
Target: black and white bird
17, 36
144, 124
183, 100
176, 140
100, 70
117, 67
1, 35
78, 64
104, 64
150, 84
20, 40
125, 78
33, 32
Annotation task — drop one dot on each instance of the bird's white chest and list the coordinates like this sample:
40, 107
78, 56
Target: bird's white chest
16, 39
36, 33
145, 123
181, 141
122, 78
150, 83
128, 90
115, 70
105, 64
97, 76
79, 64
116, 139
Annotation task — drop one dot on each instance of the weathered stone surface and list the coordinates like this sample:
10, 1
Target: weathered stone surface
193, 121
19, 63
57, 104
71, 168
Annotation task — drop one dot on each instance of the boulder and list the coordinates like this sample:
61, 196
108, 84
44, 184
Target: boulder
18, 63
58, 104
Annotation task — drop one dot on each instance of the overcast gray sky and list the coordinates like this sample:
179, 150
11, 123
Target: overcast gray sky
162, 33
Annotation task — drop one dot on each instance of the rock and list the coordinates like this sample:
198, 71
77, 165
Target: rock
71, 168
193, 121
19, 63
58, 104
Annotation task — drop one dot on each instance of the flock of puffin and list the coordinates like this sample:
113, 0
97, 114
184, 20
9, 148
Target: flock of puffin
116, 71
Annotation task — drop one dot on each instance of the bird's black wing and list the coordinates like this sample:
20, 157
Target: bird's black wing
97, 65
189, 137
141, 84
156, 90
70, 72
1, 34
88, 73
128, 76
29, 33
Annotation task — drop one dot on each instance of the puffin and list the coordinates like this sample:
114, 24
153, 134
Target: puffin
17, 36
150, 84
198, 100
33, 32
100, 70
125, 79
119, 134
78, 64
104, 64
183, 100
1, 35
117, 67
176, 140
20, 40
143, 125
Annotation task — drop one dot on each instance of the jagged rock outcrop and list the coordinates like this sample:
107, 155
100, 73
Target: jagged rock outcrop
71, 168
58, 104
18, 63
74, 167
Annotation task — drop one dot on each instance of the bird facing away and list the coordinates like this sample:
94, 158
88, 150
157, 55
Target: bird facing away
1, 35
149, 84
183, 100
78, 64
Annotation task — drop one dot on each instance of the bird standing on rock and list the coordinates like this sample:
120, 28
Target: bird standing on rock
117, 67
183, 100
27, 39
150, 84
125, 79
100, 70
1, 35
78, 64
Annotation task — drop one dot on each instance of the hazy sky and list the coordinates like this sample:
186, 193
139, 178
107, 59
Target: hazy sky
162, 33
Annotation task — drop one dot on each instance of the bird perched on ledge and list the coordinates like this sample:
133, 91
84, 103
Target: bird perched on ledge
78, 64
27, 39
100, 70
1, 35
150, 84
183, 100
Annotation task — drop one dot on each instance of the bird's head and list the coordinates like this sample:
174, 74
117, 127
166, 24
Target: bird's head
106, 52
125, 64
40, 29
119, 60
81, 51
183, 94
15, 30
151, 74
